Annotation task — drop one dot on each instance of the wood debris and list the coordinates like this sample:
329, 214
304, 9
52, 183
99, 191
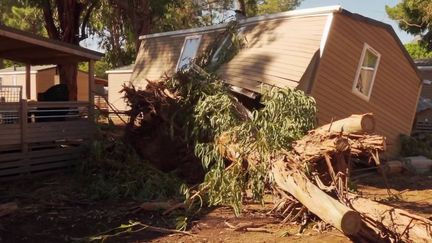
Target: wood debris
327, 154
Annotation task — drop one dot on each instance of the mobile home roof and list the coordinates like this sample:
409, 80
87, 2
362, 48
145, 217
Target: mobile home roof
288, 14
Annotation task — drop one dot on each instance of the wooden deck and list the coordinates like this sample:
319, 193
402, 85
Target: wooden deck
41, 137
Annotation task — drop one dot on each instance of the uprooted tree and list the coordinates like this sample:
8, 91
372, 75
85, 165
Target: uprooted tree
245, 152
249, 151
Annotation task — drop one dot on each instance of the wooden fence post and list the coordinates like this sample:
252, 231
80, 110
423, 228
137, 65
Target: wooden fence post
24, 144
91, 86
28, 81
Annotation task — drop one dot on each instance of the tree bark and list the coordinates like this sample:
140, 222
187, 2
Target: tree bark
379, 222
400, 223
140, 16
69, 19
318, 202
353, 124
409, 227
242, 6
68, 75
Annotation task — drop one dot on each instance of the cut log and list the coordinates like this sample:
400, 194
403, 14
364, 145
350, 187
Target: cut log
318, 202
353, 124
409, 227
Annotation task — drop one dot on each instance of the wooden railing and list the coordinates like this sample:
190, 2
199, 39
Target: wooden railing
42, 136
9, 113
29, 122
423, 127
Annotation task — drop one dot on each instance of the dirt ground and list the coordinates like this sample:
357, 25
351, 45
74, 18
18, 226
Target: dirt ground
55, 210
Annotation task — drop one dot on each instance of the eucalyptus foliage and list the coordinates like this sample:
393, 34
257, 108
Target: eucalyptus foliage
234, 145
212, 119
212, 122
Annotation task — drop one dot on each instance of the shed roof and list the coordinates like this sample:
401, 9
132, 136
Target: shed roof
124, 69
423, 62
34, 69
32, 49
23, 68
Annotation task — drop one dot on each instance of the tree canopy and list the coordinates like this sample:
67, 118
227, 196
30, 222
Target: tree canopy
116, 24
260, 7
415, 17
418, 51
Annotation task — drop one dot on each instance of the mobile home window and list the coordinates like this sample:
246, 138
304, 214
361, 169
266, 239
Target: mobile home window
188, 52
366, 72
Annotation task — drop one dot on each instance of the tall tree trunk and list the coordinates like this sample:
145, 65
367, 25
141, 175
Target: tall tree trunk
248, 7
140, 16
242, 6
68, 75
141, 20
68, 12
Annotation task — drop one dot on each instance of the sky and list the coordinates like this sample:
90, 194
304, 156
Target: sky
374, 9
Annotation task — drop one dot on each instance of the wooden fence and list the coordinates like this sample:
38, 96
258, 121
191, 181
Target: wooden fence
41, 137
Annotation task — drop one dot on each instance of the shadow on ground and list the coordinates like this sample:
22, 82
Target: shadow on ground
56, 210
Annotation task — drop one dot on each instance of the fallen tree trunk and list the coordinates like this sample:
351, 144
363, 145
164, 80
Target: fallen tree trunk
407, 227
318, 202
363, 219
360, 218
353, 124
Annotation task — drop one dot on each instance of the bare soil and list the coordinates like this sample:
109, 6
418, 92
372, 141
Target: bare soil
55, 210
